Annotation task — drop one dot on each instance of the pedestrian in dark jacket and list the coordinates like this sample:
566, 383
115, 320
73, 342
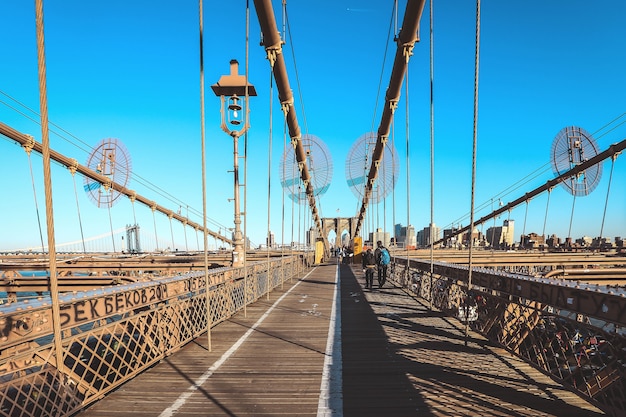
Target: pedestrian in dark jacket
369, 264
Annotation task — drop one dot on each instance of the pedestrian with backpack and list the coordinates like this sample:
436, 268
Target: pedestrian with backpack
382, 260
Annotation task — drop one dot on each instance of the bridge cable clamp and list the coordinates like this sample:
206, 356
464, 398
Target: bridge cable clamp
273, 51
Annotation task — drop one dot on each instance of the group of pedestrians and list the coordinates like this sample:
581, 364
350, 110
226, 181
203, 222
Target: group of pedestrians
372, 260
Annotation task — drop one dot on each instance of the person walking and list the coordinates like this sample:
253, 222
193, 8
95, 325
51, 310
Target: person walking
382, 260
369, 264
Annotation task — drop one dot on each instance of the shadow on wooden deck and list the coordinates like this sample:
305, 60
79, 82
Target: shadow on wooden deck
401, 359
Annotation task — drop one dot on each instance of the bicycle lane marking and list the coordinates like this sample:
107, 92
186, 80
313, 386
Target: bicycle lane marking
182, 399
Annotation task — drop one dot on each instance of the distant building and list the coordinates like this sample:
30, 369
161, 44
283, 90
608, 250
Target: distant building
501, 237
450, 239
493, 235
380, 235
424, 235
602, 243
508, 232
269, 241
532, 241
397, 231
405, 236
553, 241
345, 240
475, 238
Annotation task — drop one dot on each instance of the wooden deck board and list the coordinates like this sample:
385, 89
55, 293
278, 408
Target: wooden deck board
398, 358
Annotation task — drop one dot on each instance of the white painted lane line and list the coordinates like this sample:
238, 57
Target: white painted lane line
330, 403
182, 399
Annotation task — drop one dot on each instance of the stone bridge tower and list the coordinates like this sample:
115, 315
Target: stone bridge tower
338, 224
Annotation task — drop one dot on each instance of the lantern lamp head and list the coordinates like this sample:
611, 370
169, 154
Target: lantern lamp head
234, 111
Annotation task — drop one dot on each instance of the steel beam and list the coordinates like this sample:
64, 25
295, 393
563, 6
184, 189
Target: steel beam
27, 140
273, 47
612, 151
406, 40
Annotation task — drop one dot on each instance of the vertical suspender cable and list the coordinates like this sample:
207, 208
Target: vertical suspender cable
282, 227
474, 145
245, 168
109, 204
185, 231
524, 227
45, 141
269, 170
408, 176
293, 203
608, 190
432, 154
395, 7
282, 214
385, 197
204, 205
508, 224
172, 233
393, 181
545, 218
80, 223
300, 222
32, 178
132, 203
132, 200
156, 236
571, 217
285, 132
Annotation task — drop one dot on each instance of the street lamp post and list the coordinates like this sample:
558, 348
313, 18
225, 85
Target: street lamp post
231, 88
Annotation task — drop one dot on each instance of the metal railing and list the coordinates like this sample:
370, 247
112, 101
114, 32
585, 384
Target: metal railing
112, 334
553, 326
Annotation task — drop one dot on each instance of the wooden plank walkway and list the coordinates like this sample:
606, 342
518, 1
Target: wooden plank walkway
393, 357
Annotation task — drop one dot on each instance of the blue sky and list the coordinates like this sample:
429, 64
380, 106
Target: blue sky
129, 70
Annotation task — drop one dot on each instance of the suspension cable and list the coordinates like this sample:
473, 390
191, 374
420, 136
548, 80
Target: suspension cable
282, 227
45, 140
204, 185
269, 165
571, 217
83, 146
32, 178
474, 146
245, 165
408, 172
524, 227
156, 236
392, 21
545, 218
185, 232
295, 66
282, 215
393, 181
80, 223
109, 205
432, 155
608, 190
171, 233
385, 196
269, 175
